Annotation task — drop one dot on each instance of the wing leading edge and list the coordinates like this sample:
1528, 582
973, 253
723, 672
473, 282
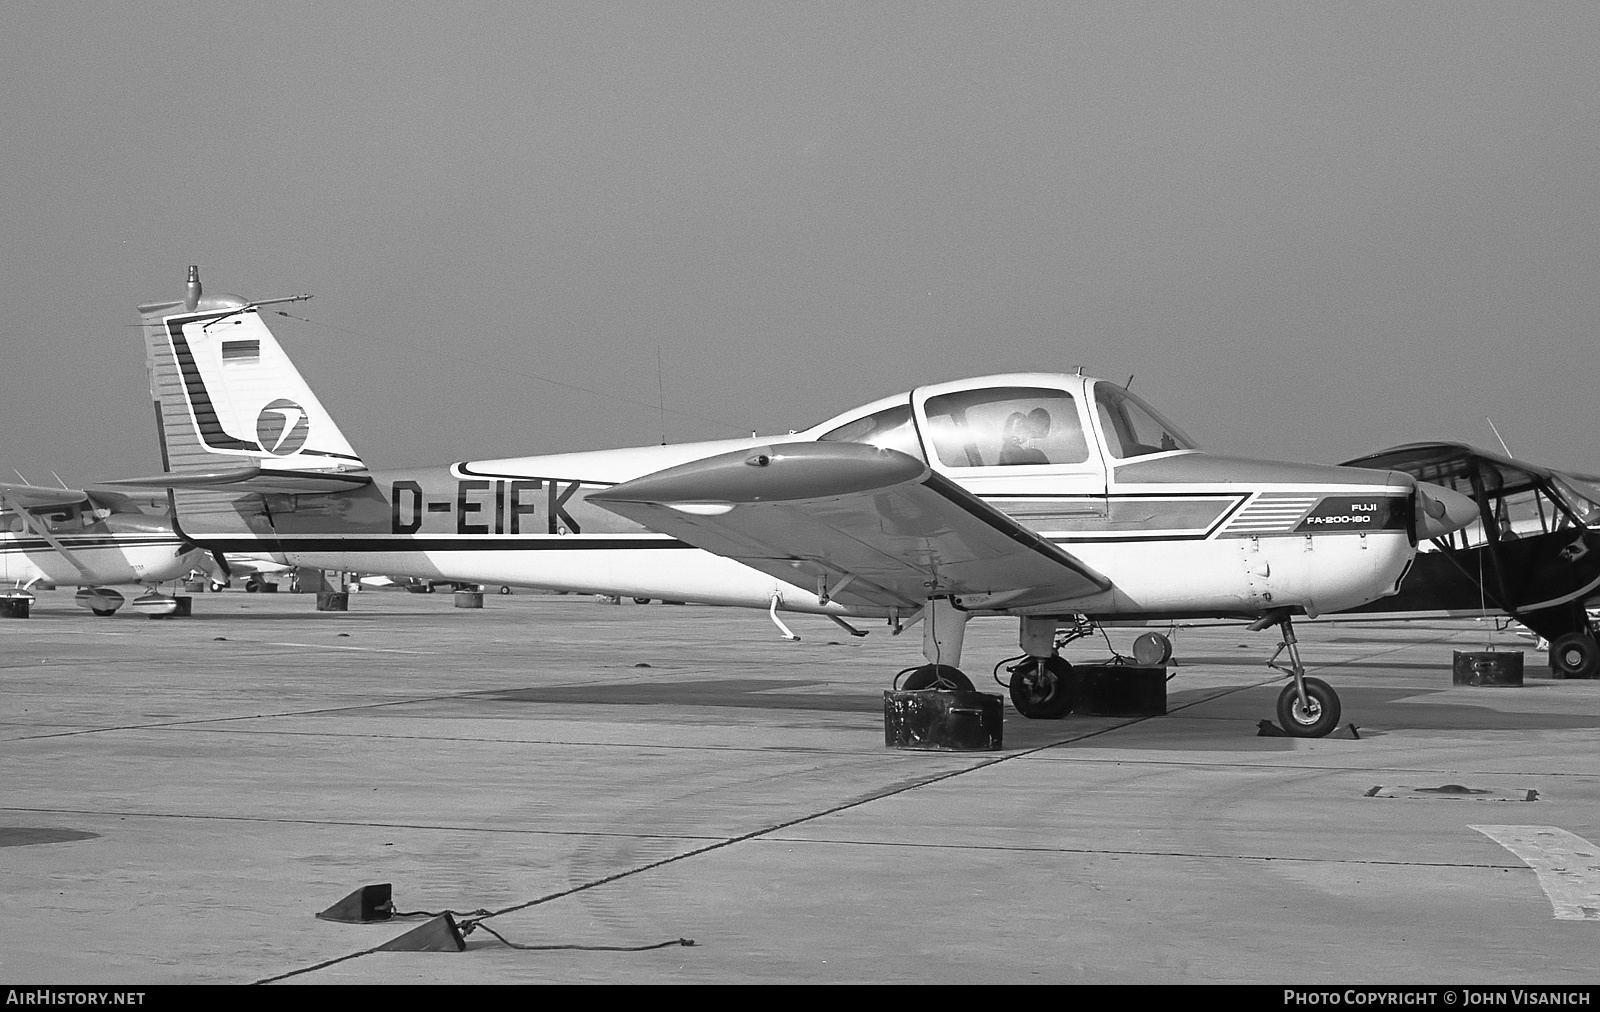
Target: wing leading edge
862, 525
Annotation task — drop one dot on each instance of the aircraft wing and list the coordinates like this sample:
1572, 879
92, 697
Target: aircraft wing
250, 478
861, 524
37, 497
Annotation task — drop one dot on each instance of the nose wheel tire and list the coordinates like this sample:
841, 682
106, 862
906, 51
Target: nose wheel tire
1574, 655
936, 676
1043, 688
1309, 721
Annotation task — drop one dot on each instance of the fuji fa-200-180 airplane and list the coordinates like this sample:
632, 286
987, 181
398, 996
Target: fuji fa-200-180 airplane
1053, 499
92, 539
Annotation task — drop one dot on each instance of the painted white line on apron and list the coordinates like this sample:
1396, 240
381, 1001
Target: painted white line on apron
1568, 866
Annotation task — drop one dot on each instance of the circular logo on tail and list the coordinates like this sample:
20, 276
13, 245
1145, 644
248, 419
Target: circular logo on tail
282, 427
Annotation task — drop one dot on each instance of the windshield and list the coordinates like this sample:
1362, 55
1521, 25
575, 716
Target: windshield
1132, 427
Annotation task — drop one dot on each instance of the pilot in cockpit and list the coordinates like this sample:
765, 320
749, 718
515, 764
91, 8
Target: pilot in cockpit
1020, 430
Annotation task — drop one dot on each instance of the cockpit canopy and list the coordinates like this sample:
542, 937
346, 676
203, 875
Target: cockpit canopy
1519, 499
1012, 421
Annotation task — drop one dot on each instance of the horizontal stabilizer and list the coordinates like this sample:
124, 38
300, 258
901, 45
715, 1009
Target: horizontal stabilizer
866, 526
37, 497
250, 478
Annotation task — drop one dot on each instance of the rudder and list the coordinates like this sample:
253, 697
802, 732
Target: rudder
227, 395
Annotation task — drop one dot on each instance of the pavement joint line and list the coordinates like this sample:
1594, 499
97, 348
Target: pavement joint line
1087, 759
826, 841
255, 716
1119, 852
340, 646
267, 820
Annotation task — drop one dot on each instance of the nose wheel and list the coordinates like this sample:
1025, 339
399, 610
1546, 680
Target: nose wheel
1307, 707
1312, 717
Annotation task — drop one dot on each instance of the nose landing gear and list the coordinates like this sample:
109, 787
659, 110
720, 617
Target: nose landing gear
1307, 707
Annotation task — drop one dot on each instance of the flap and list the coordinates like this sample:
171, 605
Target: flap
871, 526
251, 478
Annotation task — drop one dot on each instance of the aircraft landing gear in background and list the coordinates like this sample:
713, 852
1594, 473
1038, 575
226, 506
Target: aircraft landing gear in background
934, 676
1307, 707
1042, 687
1575, 655
944, 628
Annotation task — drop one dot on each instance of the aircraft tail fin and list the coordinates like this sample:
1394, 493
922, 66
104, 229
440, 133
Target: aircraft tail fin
227, 395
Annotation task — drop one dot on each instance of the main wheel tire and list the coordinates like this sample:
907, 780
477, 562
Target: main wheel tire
1315, 721
1152, 649
641, 600
1575, 655
1043, 689
936, 676
103, 612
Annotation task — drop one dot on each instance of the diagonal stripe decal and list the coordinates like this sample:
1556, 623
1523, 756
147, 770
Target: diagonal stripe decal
1272, 513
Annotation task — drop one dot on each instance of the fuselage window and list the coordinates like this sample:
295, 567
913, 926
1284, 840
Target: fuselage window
890, 429
1006, 427
1132, 428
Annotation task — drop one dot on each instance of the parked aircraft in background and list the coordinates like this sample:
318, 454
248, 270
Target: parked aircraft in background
94, 540
253, 571
1532, 551
1052, 499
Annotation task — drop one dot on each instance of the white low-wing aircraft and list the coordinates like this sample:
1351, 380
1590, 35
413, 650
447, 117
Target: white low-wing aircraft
1053, 499
93, 539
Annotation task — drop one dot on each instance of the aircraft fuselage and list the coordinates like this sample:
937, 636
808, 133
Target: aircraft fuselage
1182, 535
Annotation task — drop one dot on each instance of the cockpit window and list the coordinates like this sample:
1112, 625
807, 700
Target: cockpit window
890, 429
1132, 427
1005, 427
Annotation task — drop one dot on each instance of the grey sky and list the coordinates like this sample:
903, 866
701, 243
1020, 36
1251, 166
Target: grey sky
1310, 230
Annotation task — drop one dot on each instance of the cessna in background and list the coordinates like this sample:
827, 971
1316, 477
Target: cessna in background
1052, 499
95, 540
1532, 551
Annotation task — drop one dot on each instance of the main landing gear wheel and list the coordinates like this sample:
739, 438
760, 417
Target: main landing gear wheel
103, 612
1313, 719
1042, 689
1574, 655
936, 676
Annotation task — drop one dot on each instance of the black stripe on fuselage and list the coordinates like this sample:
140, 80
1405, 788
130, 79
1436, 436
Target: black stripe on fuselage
88, 544
353, 544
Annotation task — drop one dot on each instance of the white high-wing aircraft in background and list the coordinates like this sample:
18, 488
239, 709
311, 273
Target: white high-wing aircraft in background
1053, 499
92, 539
